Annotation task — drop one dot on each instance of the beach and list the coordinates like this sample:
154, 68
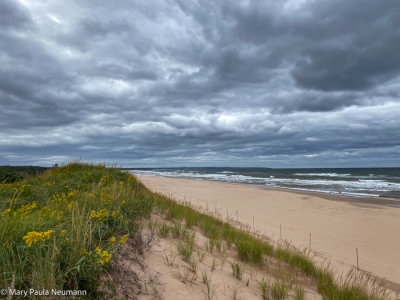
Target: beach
334, 226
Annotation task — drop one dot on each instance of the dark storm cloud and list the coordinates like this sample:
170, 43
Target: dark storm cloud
200, 82
354, 45
13, 16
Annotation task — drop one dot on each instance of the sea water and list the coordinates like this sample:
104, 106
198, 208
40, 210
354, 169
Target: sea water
357, 182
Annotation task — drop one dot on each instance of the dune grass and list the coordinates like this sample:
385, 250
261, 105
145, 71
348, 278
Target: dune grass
237, 270
60, 230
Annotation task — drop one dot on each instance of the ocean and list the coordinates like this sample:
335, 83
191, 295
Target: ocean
356, 182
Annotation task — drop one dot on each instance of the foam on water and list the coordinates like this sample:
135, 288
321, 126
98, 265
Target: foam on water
345, 183
322, 174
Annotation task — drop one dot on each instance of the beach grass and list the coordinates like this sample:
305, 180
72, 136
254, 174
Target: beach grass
60, 229
237, 270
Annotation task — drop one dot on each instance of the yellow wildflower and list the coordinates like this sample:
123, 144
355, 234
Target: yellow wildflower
113, 214
83, 252
26, 209
123, 239
71, 204
106, 180
123, 202
71, 194
45, 211
102, 256
34, 237
58, 199
121, 182
7, 211
63, 232
112, 240
100, 215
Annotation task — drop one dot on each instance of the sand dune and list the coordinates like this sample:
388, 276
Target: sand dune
337, 227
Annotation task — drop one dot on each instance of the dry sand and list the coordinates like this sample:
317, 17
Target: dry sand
176, 280
337, 227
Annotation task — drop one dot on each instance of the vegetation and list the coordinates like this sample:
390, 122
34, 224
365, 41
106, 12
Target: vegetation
265, 289
61, 229
237, 270
9, 174
279, 290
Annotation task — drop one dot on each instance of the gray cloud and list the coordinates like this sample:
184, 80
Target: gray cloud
193, 82
353, 47
13, 16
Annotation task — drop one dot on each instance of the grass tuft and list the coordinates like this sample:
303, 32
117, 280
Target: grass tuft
237, 270
279, 290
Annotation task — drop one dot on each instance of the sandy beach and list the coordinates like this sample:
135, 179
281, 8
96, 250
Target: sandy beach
337, 228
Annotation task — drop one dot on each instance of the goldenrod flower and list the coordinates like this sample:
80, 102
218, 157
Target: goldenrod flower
7, 211
25, 210
123, 239
102, 256
63, 232
58, 199
112, 240
121, 182
71, 204
100, 215
34, 237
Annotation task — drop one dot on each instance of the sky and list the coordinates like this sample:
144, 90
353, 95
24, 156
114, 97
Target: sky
170, 83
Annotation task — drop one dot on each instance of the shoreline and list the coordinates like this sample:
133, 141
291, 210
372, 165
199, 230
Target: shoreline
336, 197
338, 224
390, 202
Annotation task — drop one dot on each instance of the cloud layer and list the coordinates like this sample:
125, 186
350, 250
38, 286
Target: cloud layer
170, 83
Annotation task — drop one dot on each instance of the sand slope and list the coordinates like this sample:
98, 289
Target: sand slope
337, 228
